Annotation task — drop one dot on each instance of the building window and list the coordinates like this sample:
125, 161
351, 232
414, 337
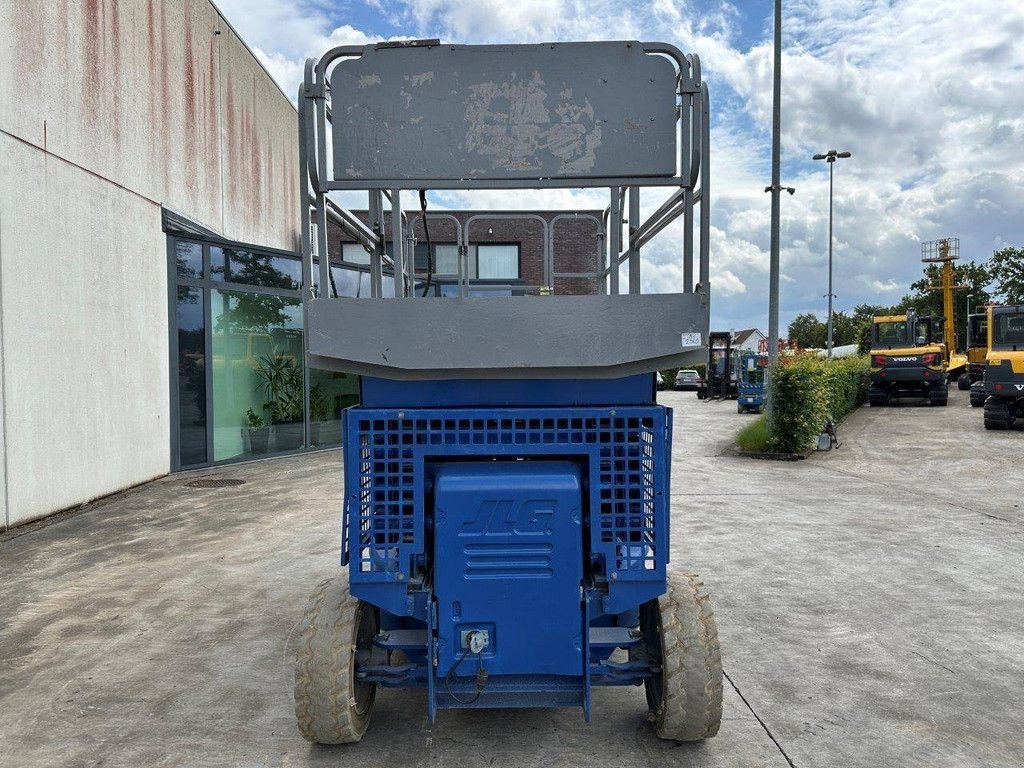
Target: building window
446, 260
497, 262
483, 262
188, 258
258, 374
354, 253
234, 265
191, 374
242, 388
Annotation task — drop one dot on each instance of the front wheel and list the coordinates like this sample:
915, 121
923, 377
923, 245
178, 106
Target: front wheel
337, 631
681, 637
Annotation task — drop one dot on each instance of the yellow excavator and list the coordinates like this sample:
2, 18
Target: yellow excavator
977, 351
908, 359
1004, 367
977, 348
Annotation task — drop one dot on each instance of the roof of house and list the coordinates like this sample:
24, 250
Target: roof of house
739, 337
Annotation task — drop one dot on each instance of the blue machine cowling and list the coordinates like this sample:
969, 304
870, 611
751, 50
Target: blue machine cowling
509, 535
471, 518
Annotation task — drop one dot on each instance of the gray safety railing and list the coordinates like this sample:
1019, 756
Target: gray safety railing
420, 115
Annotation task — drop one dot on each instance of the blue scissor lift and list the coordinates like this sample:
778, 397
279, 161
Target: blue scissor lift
506, 517
751, 384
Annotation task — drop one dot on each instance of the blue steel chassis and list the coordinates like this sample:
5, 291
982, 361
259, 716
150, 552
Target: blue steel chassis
392, 453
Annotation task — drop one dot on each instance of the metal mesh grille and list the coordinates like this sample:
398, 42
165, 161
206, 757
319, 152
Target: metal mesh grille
628, 492
626, 455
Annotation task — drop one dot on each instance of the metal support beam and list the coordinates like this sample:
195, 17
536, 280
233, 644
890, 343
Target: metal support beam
653, 227
376, 210
634, 247
705, 186
397, 243
352, 225
614, 239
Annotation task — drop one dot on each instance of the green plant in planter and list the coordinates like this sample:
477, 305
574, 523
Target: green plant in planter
254, 420
259, 432
319, 412
319, 404
280, 380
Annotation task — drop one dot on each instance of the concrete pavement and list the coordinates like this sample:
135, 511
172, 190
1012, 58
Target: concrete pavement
868, 602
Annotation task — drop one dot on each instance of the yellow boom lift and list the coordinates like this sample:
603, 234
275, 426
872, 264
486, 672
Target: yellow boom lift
945, 252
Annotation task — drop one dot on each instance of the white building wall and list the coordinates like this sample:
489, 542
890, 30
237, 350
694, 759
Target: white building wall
108, 110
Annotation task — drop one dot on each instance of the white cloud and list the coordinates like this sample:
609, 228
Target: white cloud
884, 287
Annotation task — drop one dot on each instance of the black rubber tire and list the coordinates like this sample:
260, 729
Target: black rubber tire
740, 409
998, 413
330, 705
964, 382
685, 698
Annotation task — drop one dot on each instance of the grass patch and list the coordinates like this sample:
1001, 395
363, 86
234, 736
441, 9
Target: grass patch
754, 436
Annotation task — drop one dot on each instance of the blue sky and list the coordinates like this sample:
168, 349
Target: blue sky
927, 94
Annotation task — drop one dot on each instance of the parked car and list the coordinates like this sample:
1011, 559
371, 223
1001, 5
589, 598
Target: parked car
687, 380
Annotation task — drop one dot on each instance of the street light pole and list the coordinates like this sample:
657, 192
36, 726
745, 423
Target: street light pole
775, 189
830, 158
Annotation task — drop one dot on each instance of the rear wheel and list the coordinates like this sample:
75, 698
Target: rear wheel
999, 413
331, 706
681, 637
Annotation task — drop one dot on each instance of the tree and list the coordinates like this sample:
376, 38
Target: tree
807, 331
862, 317
1007, 270
843, 329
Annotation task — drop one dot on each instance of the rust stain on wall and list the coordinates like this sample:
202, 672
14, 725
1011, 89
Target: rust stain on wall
211, 153
166, 105
255, 147
92, 56
209, 117
191, 161
115, 80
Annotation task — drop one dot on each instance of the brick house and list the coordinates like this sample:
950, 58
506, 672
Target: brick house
506, 251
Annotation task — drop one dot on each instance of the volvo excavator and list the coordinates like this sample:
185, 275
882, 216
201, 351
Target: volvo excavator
1004, 367
908, 359
977, 348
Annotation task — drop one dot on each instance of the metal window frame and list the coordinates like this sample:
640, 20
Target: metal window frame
207, 285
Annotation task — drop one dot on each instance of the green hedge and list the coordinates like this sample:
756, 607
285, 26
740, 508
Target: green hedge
807, 391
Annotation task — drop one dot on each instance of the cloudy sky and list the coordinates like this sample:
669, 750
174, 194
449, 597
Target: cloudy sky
928, 95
